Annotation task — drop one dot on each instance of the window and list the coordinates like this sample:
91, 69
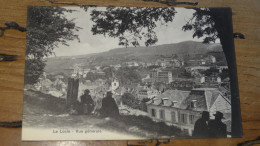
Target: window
191, 118
173, 117
192, 104
153, 111
184, 118
162, 114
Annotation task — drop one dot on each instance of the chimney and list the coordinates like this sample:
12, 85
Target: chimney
174, 103
164, 100
193, 104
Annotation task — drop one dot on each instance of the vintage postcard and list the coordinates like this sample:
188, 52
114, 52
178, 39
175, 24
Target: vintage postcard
129, 73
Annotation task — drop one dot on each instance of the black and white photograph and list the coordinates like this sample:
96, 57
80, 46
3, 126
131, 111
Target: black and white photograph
130, 73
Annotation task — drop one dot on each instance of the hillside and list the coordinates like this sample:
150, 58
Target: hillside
119, 55
187, 47
48, 112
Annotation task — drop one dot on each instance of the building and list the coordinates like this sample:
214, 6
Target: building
114, 85
210, 81
153, 75
132, 64
192, 68
148, 93
117, 66
131, 87
164, 76
182, 84
184, 108
166, 106
161, 76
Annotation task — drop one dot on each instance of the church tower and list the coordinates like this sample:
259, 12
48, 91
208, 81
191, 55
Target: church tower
114, 84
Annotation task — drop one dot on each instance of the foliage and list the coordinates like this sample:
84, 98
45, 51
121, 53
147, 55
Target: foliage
160, 86
52, 77
185, 74
211, 71
109, 71
128, 75
131, 24
33, 70
131, 101
47, 28
224, 74
203, 25
213, 24
153, 67
94, 76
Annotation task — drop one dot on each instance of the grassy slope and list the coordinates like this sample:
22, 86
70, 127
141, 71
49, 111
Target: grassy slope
46, 111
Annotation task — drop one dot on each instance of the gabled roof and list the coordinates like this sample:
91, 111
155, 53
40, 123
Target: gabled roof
211, 97
170, 96
204, 97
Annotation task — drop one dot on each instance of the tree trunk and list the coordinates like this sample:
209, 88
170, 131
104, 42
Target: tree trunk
223, 24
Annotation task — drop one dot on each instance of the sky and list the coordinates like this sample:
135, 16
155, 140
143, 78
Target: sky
89, 43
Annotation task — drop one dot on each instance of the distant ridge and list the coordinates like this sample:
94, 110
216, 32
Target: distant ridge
187, 47
120, 55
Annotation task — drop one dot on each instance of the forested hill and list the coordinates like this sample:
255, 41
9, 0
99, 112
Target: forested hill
120, 55
187, 47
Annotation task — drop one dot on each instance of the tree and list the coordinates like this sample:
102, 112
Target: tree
129, 100
224, 74
211, 71
128, 75
212, 24
131, 24
47, 28
109, 71
91, 76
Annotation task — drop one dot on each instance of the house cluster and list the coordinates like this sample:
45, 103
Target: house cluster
182, 84
56, 88
77, 70
177, 101
138, 90
182, 108
169, 62
201, 60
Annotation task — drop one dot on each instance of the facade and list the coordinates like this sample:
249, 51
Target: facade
161, 76
165, 76
184, 108
148, 93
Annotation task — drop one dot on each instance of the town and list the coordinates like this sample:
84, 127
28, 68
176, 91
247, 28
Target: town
171, 89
